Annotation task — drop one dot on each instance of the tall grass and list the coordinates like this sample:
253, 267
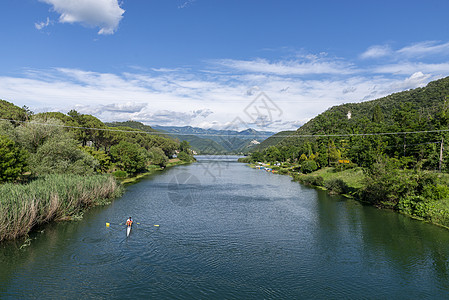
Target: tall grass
53, 197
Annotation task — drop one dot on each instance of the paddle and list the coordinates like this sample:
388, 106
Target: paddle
108, 224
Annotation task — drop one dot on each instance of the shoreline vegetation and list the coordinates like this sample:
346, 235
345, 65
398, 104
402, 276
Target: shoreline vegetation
54, 166
389, 152
389, 189
134, 179
55, 197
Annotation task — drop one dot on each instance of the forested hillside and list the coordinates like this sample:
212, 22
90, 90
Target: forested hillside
393, 151
360, 132
57, 143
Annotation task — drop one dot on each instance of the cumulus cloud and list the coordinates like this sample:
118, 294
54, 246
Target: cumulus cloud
418, 79
105, 14
204, 113
127, 107
215, 99
165, 117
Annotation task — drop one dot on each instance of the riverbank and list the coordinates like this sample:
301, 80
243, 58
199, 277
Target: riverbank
421, 195
51, 198
134, 179
58, 198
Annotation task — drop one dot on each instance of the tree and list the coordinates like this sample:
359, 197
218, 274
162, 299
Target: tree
273, 154
104, 160
334, 153
158, 157
184, 156
308, 166
129, 157
184, 146
12, 160
61, 155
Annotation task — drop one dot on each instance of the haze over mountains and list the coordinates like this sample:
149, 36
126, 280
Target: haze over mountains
212, 141
206, 141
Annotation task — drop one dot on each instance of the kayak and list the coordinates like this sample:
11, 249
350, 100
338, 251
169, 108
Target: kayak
128, 230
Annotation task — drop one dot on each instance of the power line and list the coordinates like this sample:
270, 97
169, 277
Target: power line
236, 134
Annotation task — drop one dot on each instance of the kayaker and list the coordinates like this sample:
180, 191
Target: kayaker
129, 222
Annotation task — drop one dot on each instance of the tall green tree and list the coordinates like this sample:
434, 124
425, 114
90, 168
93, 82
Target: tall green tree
12, 160
129, 157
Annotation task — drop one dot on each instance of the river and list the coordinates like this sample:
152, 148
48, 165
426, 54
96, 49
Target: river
227, 231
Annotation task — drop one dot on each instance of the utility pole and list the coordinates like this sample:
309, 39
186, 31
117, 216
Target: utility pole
441, 154
404, 144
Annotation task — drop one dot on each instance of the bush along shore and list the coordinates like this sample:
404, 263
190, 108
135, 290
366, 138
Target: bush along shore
51, 198
387, 184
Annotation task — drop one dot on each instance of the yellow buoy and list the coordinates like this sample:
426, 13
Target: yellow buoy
156, 225
107, 224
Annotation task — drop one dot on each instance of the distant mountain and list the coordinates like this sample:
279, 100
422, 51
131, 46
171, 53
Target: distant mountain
212, 141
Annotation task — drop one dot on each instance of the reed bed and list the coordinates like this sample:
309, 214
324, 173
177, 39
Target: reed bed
53, 197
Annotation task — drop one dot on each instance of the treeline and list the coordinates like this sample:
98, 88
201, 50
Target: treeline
56, 143
398, 140
55, 165
410, 126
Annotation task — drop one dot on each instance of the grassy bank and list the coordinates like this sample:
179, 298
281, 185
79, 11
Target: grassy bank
172, 162
53, 197
422, 195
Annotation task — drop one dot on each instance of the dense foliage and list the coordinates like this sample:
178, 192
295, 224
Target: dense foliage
57, 143
50, 197
12, 160
399, 141
410, 125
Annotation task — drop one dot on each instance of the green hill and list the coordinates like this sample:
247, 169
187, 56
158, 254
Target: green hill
135, 125
272, 140
427, 101
408, 125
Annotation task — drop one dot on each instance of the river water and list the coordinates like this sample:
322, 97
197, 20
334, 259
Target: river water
227, 231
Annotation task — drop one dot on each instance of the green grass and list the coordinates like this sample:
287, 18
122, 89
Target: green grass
53, 197
352, 177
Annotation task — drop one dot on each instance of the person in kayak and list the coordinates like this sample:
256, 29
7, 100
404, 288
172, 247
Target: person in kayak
129, 222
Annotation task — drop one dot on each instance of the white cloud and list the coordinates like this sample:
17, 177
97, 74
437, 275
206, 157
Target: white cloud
376, 52
42, 25
408, 67
127, 107
305, 66
417, 79
105, 14
424, 49
186, 4
301, 88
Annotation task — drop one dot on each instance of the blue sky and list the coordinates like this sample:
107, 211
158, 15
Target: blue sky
206, 63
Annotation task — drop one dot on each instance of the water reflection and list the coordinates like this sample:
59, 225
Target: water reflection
245, 234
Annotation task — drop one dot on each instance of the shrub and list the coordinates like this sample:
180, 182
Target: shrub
184, 156
308, 166
336, 186
12, 160
283, 171
120, 174
311, 180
